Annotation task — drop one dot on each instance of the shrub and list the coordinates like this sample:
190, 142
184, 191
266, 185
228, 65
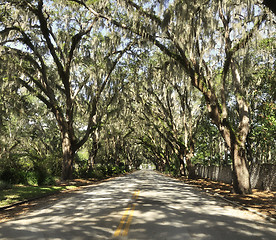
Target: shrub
97, 173
49, 180
5, 185
39, 177
31, 178
13, 176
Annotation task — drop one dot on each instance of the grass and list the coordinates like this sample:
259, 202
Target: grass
20, 193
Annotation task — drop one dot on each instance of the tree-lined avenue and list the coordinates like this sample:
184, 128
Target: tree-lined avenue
160, 208
93, 88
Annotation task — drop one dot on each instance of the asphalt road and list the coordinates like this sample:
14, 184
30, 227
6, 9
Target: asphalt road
143, 205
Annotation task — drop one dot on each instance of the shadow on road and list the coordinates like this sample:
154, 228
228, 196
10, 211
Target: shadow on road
165, 209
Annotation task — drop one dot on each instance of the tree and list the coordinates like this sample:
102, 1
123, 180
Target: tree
205, 39
261, 139
29, 138
61, 58
163, 108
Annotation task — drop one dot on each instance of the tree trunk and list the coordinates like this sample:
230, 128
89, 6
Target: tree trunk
188, 156
93, 151
182, 169
68, 157
91, 160
190, 168
241, 177
92, 157
235, 140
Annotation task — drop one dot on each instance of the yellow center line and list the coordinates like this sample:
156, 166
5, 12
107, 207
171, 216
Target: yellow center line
118, 230
137, 194
127, 217
125, 232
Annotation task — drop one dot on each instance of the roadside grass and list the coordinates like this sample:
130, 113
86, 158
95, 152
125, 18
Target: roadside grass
20, 193
12, 194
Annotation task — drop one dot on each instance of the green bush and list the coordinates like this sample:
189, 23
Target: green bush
115, 170
97, 173
13, 176
31, 178
38, 176
81, 172
49, 180
41, 175
100, 171
5, 185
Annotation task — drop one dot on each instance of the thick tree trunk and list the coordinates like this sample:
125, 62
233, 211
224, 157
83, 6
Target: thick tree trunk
241, 176
68, 157
182, 169
190, 168
236, 144
235, 140
189, 164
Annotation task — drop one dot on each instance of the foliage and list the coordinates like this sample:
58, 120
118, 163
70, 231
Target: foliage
97, 88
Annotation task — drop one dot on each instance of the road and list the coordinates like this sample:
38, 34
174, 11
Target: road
142, 205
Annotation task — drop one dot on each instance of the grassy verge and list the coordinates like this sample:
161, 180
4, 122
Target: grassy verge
20, 193
12, 194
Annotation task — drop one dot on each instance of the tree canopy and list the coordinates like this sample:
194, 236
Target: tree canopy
124, 82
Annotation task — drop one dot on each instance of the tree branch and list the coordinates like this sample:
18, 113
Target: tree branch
242, 43
46, 33
180, 58
91, 125
75, 40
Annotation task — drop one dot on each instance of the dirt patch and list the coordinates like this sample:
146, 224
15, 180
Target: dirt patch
261, 201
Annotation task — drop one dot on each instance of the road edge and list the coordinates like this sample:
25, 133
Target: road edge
216, 195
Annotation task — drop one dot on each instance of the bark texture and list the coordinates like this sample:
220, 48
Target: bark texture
68, 157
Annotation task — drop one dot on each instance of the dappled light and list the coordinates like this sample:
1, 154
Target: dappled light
262, 201
92, 90
165, 209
